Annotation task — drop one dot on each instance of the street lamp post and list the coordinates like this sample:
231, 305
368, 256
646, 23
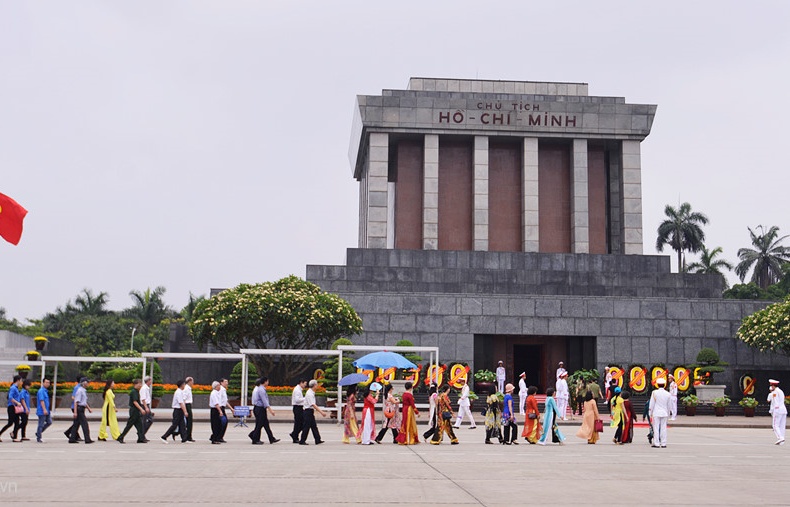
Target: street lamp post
132, 345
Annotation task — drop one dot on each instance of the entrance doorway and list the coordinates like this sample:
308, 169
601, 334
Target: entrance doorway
529, 359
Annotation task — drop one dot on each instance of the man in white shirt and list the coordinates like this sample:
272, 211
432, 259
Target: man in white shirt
146, 399
500, 377
178, 425
673, 398
215, 402
297, 403
309, 415
188, 402
561, 369
778, 411
522, 392
659, 413
463, 407
562, 395
223, 393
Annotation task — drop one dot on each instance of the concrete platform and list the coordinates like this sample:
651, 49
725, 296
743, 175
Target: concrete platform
724, 465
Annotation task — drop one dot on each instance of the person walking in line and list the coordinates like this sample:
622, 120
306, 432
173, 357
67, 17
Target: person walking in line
369, 417
215, 404
659, 412
550, 417
189, 382
297, 404
43, 409
223, 393
778, 410
673, 398
109, 414
432, 399
493, 420
522, 392
73, 394
146, 398
532, 426
262, 409
617, 414
392, 415
463, 407
629, 418
562, 395
136, 412
25, 414
14, 407
407, 435
445, 416
80, 406
580, 395
589, 417
310, 408
509, 417
501, 375
350, 425
179, 422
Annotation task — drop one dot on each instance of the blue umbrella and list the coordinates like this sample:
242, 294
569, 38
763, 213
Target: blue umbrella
383, 360
354, 378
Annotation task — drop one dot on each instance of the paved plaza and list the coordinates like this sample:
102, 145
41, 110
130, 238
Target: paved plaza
722, 465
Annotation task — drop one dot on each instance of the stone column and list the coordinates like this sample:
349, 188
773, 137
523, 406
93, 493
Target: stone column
580, 201
530, 199
430, 204
480, 218
632, 197
378, 190
615, 201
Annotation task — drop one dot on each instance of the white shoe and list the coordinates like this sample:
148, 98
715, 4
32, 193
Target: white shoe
778, 442
163, 439
541, 443
782, 442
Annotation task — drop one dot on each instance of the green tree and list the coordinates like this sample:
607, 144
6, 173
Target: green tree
149, 308
709, 265
331, 365
681, 231
768, 330
767, 257
189, 309
286, 314
87, 304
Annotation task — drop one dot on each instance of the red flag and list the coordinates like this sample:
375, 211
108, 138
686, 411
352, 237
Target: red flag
11, 216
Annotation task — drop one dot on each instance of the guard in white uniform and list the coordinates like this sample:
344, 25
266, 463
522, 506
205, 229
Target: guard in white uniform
778, 411
562, 395
561, 369
659, 413
463, 407
500, 378
673, 398
522, 392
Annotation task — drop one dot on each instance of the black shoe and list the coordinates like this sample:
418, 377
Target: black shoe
142, 441
189, 440
303, 443
319, 442
489, 442
222, 441
74, 441
274, 441
101, 439
120, 440
257, 443
216, 442
89, 441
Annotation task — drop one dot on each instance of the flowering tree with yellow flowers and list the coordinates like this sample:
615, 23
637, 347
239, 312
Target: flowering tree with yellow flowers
768, 329
290, 313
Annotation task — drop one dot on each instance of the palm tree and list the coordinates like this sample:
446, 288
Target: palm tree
767, 257
149, 307
707, 263
681, 231
88, 304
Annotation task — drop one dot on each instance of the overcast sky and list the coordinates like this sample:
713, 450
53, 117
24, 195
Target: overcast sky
204, 144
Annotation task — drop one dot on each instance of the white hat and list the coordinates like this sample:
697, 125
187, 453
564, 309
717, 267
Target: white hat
661, 381
522, 374
772, 381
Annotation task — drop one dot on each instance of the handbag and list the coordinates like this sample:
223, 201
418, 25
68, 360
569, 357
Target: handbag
599, 426
532, 415
447, 415
19, 409
389, 413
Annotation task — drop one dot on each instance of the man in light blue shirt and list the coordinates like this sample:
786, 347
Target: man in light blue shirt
261, 405
43, 408
80, 405
74, 393
14, 400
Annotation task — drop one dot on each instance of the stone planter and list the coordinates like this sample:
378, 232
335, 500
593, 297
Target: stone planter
484, 389
706, 394
398, 386
23, 373
748, 411
691, 410
719, 411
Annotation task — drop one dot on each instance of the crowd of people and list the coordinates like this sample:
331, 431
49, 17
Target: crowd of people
400, 414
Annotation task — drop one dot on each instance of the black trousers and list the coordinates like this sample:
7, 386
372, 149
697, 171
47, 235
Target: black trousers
216, 425
384, 432
80, 422
223, 423
189, 421
136, 421
511, 432
178, 425
310, 425
13, 420
261, 421
428, 435
23, 423
298, 422
148, 420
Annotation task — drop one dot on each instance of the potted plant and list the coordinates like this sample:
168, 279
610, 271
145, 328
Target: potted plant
33, 355
748, 404
720, 405
40, 342
22, 370
709, 364
690, 402
484, 381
